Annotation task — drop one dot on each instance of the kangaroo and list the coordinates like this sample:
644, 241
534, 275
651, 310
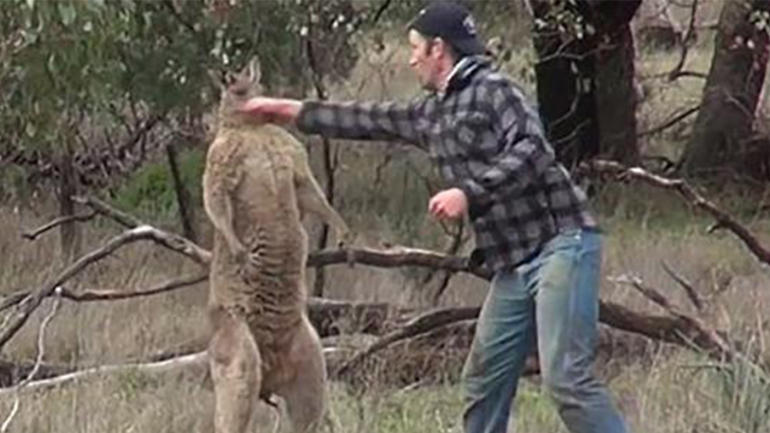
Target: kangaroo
257, 185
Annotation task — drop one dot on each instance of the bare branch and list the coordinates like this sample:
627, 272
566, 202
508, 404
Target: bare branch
692, 294
397, 257
169, 240
671, 122
425, 323
33, 234
684, 42
122, 218
32, 301
199, 358
111, 295
35, 368
723, 219
380, 10
693, 330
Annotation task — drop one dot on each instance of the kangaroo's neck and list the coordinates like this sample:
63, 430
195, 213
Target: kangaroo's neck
228, 118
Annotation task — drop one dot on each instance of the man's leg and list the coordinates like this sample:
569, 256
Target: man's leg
504, 337
567, 316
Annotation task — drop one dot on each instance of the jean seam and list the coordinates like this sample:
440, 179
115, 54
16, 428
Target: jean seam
569, 335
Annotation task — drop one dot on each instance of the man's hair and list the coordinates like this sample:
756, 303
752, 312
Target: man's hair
431, 42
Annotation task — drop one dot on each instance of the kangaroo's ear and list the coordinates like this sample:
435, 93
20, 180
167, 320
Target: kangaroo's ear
254, 70
219, 78
215, 77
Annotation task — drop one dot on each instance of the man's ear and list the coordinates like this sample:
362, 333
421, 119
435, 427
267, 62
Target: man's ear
439, 47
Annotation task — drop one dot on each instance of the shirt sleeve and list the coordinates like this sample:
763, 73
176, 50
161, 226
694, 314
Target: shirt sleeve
389, 121
524, 152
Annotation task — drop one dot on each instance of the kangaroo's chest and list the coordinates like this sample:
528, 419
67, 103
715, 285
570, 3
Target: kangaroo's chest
267, 174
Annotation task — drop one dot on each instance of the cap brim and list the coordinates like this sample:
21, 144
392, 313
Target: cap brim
469, 46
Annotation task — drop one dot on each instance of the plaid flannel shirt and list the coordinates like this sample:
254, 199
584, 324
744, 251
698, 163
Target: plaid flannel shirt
489, 142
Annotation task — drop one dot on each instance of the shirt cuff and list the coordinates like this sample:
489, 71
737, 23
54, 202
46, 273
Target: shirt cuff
479, 198
306, 121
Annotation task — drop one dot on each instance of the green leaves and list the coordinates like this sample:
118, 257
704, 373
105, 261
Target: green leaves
67, 13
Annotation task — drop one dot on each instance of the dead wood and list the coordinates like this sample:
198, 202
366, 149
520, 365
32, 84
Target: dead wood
676, 327
109, 295
184, 361
433, 356
424, 323
28, 304
33, 234
692, 294
170, 241
693, 329
671, 122
723, 219
397, 257
330, 317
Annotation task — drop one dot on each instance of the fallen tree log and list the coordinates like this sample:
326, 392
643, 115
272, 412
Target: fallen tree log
675, 327
436, 356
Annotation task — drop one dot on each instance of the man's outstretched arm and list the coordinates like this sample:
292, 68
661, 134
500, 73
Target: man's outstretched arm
389, 121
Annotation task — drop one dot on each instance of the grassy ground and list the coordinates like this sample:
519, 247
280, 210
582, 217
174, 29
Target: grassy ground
670, 391
673, 390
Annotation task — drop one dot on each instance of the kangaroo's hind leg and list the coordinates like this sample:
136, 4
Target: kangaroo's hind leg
305, 394
234, 362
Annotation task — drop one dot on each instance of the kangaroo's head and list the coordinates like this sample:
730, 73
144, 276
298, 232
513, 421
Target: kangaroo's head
237, 88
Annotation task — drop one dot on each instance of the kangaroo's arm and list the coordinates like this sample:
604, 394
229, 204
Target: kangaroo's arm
310, 196
220, 181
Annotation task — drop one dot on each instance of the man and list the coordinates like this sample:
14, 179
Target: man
532, 226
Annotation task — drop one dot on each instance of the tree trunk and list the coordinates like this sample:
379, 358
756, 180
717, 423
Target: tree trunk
319, 282
565, 92
616, 97
732, 92
69, 233
585, 86
182, 195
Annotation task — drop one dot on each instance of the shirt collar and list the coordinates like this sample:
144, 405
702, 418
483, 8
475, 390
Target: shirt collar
462, 70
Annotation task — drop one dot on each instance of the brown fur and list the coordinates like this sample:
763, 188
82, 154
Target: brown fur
256, 186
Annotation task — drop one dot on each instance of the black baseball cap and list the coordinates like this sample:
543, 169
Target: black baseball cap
451, 22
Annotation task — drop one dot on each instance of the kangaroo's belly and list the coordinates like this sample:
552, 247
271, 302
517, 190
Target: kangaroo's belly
267, 286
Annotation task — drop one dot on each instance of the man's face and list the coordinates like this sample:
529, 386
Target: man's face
424, 60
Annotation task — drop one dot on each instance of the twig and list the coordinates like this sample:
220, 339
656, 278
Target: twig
683, 43
31, 302
723, 219
692, 294
454, 247
38, 361
33, 234
671, 122
380, 10
122, 218
427, 322
397, 257
110, 295
198, 358
171, 241
692, 329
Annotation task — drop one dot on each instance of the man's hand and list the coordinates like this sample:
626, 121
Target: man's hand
273, 110
448, 204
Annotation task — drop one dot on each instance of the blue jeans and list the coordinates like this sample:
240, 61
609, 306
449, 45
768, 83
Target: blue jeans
552, 302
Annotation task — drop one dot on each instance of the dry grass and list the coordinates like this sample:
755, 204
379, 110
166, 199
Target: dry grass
660, 394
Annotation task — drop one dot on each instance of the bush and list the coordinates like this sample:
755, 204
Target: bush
150, 191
